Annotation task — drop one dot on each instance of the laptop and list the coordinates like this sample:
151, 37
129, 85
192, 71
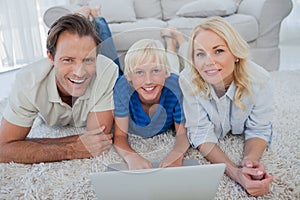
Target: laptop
186, 182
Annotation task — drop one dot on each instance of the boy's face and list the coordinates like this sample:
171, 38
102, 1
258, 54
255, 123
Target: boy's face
148, 80
74, 63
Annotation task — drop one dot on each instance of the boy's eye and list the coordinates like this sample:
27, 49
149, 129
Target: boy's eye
139, 72
156, 71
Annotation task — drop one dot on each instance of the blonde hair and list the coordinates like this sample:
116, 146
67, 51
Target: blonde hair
238, 47
143, 51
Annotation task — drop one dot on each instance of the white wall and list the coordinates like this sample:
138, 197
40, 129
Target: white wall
290, 39
6, 80
290, 27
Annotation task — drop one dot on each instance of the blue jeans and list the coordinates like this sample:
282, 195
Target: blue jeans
108, 48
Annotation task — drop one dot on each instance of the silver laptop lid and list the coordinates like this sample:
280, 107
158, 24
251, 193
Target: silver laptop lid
186, 182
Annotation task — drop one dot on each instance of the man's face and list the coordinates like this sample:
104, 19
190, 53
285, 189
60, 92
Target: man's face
74, 63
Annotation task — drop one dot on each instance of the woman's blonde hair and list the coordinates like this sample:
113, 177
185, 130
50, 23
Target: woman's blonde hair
143, 51
238, 47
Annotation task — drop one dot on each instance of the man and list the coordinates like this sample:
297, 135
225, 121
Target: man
75, 88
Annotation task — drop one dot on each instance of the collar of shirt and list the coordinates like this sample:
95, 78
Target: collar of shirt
229, 93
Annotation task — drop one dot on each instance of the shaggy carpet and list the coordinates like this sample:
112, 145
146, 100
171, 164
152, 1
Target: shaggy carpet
70, 179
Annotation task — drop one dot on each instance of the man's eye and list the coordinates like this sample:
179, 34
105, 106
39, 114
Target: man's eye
89, 61
67, 60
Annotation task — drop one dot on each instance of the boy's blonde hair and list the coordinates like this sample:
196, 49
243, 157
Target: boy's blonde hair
142, 52
242, 74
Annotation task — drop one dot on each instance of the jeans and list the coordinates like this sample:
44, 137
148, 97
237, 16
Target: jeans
108, 48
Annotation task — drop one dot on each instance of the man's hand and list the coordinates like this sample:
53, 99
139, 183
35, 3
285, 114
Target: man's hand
93, 143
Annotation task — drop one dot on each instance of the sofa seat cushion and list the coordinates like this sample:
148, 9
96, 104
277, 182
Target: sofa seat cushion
125, 34
246, 25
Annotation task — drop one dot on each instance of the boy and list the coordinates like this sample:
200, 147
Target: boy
147, 103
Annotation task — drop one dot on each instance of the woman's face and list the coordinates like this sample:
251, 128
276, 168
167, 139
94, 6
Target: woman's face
213, 59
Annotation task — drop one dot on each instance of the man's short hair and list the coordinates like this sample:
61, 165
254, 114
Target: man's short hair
72, 23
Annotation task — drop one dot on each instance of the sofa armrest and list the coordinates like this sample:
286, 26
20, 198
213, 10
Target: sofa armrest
269, 15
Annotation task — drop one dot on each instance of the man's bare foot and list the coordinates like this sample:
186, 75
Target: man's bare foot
178, 36
84, 11
171, 43
96, 11
174, 34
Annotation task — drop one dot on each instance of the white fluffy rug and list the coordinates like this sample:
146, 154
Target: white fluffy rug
69, 179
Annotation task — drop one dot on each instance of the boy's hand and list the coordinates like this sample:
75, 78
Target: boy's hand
173, 159
136, 161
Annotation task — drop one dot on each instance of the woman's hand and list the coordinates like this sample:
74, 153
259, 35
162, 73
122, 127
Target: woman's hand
255, 180
259, 168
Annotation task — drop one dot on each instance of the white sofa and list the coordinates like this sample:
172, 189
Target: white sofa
258, 21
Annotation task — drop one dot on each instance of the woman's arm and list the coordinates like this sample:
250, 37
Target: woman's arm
253, 149
242, 175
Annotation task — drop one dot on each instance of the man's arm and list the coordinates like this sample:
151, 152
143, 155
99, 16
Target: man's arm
14, 147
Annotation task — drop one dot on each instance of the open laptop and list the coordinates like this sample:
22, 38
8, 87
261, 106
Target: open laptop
186, 182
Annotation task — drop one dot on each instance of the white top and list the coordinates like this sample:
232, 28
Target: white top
35, 93
208, 119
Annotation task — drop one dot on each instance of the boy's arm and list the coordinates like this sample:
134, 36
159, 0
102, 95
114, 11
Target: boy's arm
131, 157
175, 157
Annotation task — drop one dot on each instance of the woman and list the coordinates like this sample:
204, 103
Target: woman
224, 92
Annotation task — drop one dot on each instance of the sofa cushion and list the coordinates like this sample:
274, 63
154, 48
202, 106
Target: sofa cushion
147, 9
207, 8
246, 25
125, 34
170, 7
116, 11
